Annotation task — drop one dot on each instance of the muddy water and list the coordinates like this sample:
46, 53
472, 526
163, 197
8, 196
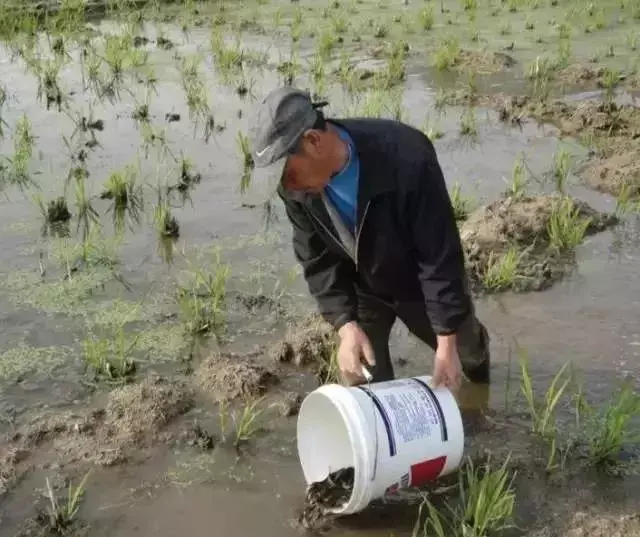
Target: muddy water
591, 318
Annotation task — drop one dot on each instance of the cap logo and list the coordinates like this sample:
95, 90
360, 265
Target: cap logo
260, 153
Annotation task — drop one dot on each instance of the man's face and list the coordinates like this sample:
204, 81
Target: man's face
310, 168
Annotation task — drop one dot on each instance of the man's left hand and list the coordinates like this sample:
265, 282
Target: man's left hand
447, 369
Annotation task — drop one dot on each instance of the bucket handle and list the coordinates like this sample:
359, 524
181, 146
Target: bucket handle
369, 378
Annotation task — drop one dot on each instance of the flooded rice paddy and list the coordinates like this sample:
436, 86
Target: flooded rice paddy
156, 336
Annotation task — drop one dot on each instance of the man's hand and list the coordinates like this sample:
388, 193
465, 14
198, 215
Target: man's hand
447, 369
354, 347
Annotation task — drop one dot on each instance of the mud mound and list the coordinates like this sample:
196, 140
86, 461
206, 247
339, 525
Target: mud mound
132, 419
311, 340
228, 376
584, 525
616, 173
135, 413
592, 117
491, 232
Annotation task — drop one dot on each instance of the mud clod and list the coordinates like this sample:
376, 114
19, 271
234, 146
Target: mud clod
491, 232
615, 173
135, 413
225, 377
310, 341
290, 404
584, 525
321, 496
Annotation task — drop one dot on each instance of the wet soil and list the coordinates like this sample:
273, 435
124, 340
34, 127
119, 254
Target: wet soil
610, 129
322, 496
229, 376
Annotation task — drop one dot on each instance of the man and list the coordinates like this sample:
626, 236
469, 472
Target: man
375, 233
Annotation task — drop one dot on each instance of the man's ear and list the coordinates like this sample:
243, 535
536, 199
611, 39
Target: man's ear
312, 139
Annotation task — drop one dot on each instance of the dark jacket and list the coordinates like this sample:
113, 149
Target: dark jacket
407, 241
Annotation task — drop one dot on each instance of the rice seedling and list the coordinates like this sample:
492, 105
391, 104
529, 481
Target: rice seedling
541, 72
427, 18
17, 172
59, 517
487, 499
325, 44
432, 130
202, 299
110, 358
517, 187
55, 211
608, 431
126, 196
329, 370
485, 506
165, 222
543, 412
187, 180
501, 270
627, 200
195, 90
468, 122
246, 423
462, 205
610, 81
229, 59
447, 55
567, 227
561, 169
247, 161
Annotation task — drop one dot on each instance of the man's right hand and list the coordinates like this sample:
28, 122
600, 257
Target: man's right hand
355, 350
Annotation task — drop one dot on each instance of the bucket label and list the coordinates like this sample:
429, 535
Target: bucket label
414, 411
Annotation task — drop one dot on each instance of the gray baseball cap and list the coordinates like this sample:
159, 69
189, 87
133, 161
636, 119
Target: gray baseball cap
276, 126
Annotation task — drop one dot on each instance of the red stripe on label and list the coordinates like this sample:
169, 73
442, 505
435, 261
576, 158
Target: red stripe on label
426, 471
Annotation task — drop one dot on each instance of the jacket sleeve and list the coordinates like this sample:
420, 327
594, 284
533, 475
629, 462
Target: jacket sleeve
437, 246
330, 278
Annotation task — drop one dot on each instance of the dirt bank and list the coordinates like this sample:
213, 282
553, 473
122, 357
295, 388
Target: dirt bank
520, 242
612, 131
133, 418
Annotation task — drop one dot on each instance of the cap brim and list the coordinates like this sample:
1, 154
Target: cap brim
267, 179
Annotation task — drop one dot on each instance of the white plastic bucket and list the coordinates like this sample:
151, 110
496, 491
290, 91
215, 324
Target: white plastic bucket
396, 434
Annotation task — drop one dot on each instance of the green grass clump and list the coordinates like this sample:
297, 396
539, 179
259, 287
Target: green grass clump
485, 505
567, 226
501, 271
607, 431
